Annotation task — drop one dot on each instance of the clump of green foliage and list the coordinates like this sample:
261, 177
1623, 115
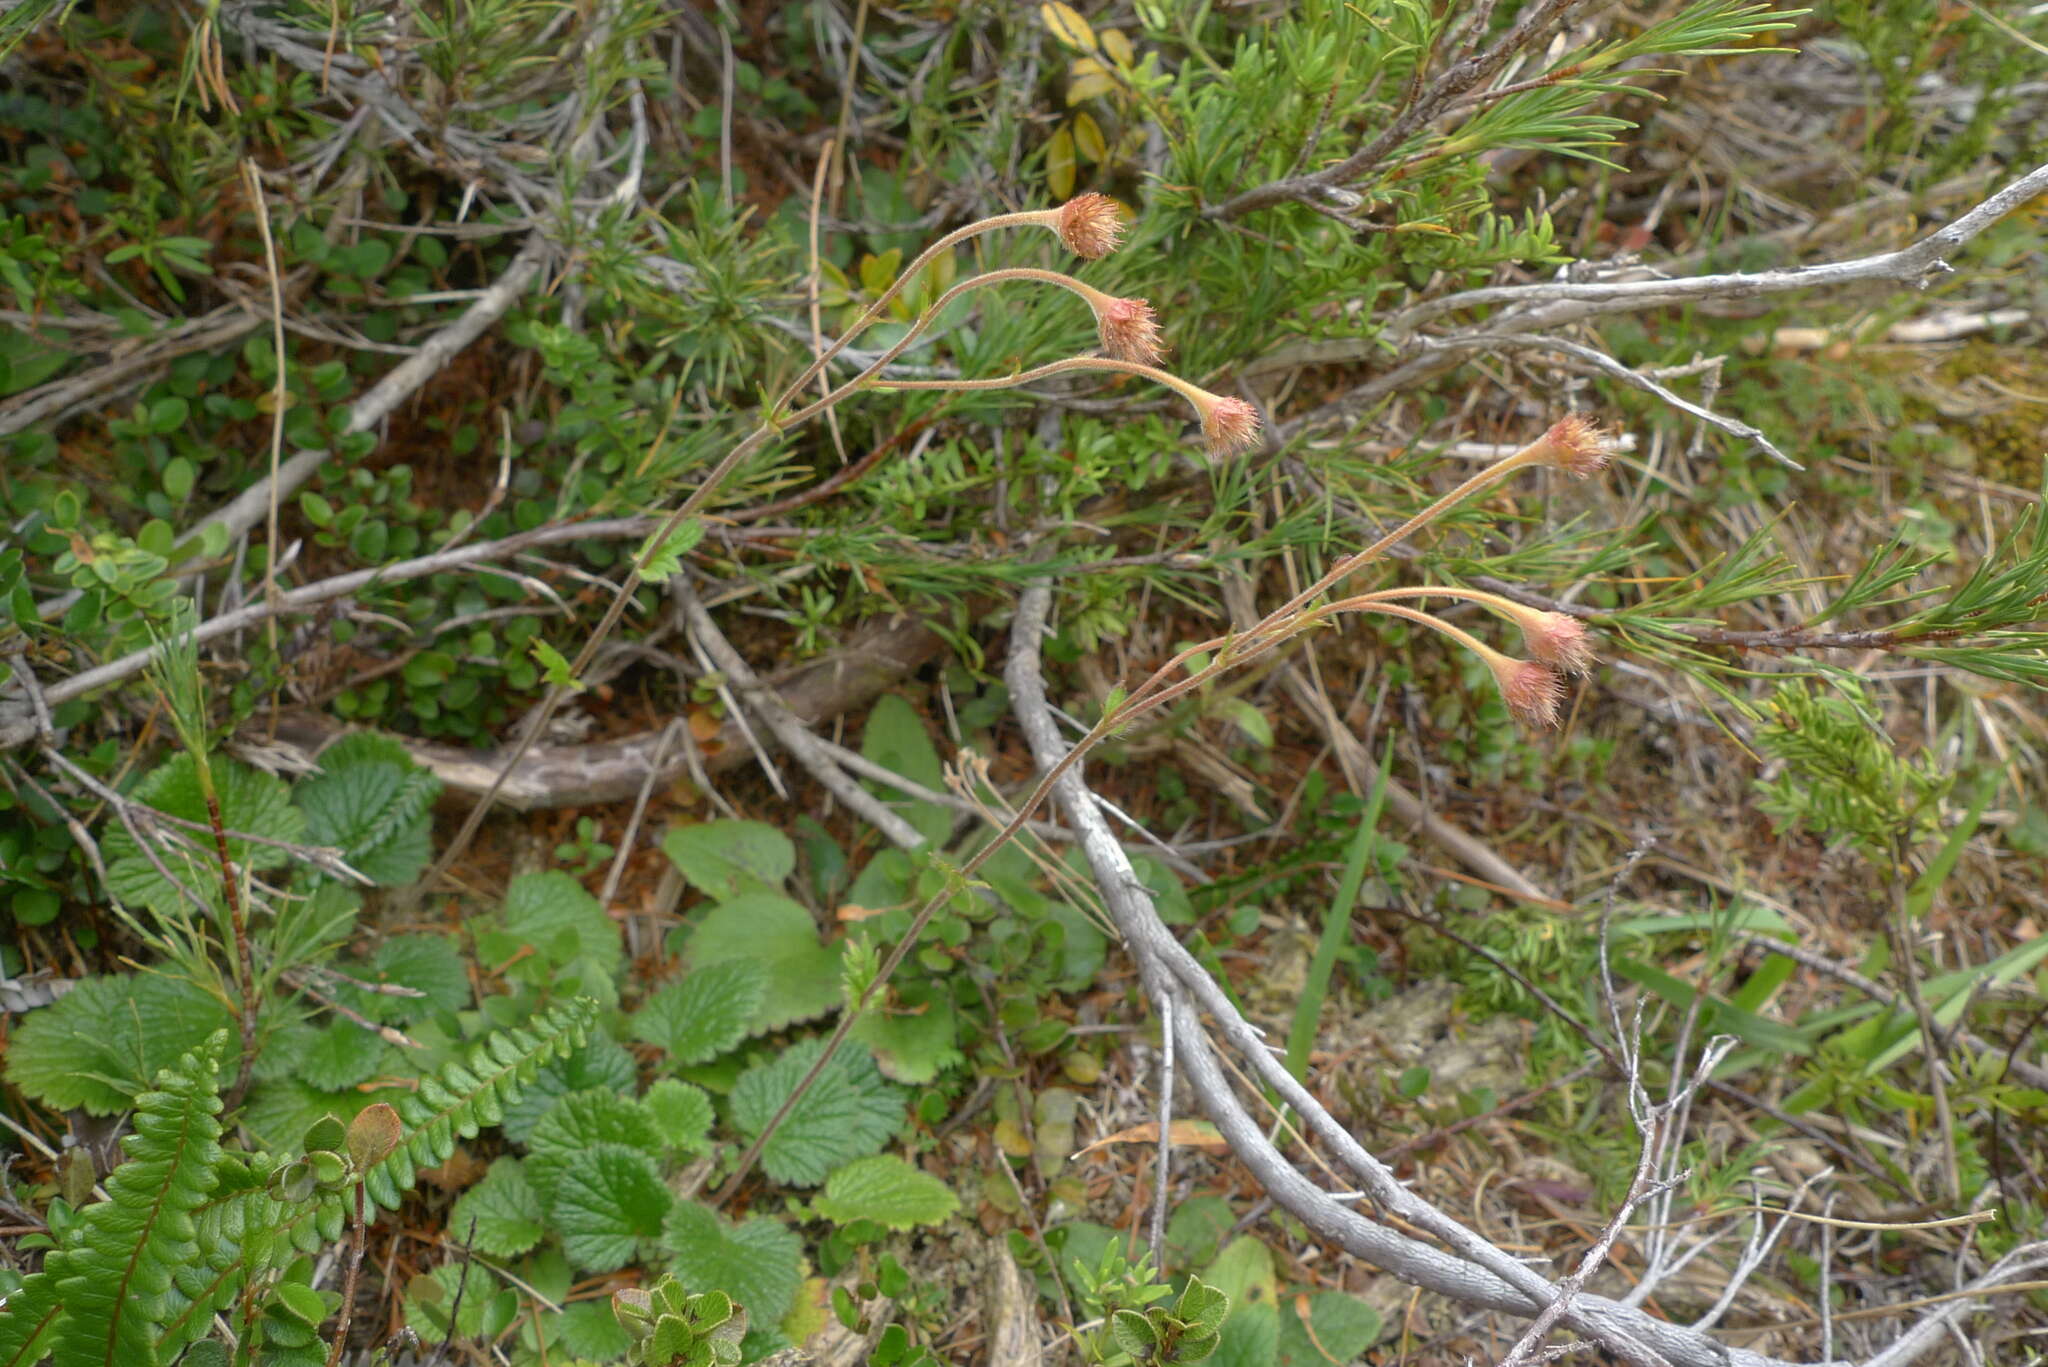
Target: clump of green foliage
406, 162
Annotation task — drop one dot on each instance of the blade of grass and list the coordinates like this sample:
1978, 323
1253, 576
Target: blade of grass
1336, 925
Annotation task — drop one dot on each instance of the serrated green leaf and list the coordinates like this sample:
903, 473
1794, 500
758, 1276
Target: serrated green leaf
888, 1190
500, 1216
659, 563
714, 1007
578, 1122
848, 1113
681, 1114
600, 1062
589, 1330
607, 1202
459, 1291
339, 1056
723, 859
569, 929
250, 801
916, 1037
373, 803
554, 667
759, 1263
774, 932
1134, 1334
96, 1047
431, 964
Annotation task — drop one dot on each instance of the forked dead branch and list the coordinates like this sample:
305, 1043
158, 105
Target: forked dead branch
564, 172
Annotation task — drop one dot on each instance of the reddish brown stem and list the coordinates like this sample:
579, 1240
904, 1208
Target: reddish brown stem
245, 962
348, 1285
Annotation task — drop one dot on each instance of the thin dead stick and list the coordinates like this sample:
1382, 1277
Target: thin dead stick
280, 393
1552, 304
248, 507
1914, 265
632, 832
1163, 1165
46, 403
1607, 365
348, 585
1497, 1283
794, 735
358, 1232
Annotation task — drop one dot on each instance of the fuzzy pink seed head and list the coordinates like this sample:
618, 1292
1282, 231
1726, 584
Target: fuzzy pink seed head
1129, 331
1560, 641
1229, 426
1534, 692
1578, 447
1090, 225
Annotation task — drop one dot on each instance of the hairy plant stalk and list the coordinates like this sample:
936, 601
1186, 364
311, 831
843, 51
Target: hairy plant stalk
771, 426
1155, 692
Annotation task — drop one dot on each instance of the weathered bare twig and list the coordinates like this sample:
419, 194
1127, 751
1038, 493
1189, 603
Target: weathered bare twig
1552, 303
249, 507
1477, 1274
49, 402
1607, 365
347, 585
795, 737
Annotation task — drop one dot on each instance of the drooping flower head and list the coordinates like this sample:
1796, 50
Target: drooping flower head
1533, 692
1229, 425
1090, 225
1129, 330
1577, 446
1558, 640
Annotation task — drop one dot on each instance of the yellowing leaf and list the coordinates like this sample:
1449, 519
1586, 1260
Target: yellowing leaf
1196, 1134
877, 272
1088, 87
1059, 164
1068, 26
1087, 138
1117, 46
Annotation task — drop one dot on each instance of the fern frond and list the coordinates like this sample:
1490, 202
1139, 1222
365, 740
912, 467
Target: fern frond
246, 1232
112, 1276
467, 1095
28, 1321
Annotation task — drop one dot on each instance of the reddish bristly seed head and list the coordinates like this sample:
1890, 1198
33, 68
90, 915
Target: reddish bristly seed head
1534, 692
1578, 447
1560, 641
1230, 426
1090, 225
1129, 331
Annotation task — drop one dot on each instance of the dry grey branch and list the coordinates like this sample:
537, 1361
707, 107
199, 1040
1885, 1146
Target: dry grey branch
1478, 1274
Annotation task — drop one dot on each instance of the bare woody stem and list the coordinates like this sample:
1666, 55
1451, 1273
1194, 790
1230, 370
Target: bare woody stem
245, 961
348, 1284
